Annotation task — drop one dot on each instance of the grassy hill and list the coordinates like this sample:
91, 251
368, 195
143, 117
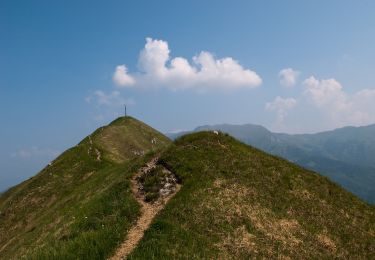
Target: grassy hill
239, 202
235, 202
81, 204
345, 155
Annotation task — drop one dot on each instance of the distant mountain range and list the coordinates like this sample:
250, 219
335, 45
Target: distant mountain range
345, 155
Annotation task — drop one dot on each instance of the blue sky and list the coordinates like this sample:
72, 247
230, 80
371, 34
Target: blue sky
292, 66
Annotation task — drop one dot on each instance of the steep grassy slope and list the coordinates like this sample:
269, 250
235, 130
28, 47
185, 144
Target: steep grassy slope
345, 155
238, 202
127, 138
79, 206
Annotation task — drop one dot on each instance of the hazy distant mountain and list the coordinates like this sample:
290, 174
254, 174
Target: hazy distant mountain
346, 155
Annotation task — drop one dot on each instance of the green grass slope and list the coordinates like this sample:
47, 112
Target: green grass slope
80, 206
237, 202
345, 155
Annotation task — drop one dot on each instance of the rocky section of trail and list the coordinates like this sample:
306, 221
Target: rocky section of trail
162, 184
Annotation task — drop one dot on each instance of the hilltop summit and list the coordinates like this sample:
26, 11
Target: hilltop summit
77, 205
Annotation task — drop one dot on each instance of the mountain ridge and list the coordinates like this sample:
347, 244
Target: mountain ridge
62, 211
346, 155
238, 202
232, 201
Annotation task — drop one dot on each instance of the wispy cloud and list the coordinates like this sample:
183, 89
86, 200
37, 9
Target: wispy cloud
108, 105
281, 106
35, 151
288, 77
204, 72
110, 99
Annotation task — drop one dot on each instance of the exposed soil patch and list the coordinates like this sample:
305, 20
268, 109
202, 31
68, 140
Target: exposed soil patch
153, 186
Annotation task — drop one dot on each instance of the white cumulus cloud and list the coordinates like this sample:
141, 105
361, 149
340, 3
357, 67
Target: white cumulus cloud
342, 108
323, 92
158, 69
121, 77
281, 106
288, 77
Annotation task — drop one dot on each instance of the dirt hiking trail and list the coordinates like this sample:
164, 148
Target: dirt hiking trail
148, 211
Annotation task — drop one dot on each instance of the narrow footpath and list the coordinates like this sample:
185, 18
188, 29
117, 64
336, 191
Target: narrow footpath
148, 212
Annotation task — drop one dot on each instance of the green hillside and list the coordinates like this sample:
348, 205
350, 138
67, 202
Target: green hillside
231, 201
345, 155
237, 202
80, 205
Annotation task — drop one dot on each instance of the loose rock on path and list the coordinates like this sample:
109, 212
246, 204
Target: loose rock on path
148, 212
